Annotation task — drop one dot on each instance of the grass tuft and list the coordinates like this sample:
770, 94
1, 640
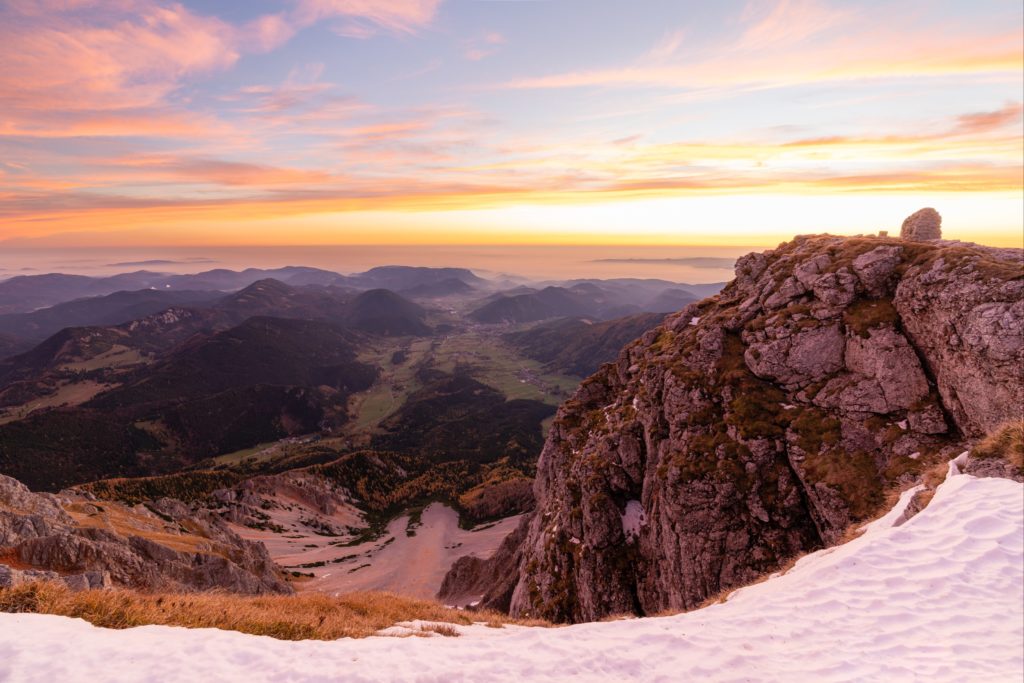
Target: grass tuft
1005, 443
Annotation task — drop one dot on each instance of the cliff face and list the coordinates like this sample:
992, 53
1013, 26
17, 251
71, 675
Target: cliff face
759, 423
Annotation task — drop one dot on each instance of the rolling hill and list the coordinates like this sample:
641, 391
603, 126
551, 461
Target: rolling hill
109, 309
578, 347
262, 380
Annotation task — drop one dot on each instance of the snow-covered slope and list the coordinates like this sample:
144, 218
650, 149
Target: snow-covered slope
937, 598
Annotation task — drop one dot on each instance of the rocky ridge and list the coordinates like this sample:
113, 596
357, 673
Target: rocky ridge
162, 545
759, 424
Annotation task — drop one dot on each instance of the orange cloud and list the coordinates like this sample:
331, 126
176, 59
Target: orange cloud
415, 164
980, 122
151, 168
115, 123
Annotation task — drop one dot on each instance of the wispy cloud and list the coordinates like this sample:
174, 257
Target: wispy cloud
483, 46
770, 23
127, 55
188, 169
782, 43
666, 48
92, 68
984, 121
387, 162
126, 113
362, 18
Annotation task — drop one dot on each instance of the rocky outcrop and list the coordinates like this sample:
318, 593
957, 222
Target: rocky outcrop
92, 580
164, 545
486, 583
758, 424
963, 310
922, 225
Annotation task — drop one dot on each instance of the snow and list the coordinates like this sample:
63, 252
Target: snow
937, 598
632, 519
396, 562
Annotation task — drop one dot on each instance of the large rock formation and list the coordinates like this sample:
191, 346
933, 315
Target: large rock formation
922, 225
87, 543
758, 424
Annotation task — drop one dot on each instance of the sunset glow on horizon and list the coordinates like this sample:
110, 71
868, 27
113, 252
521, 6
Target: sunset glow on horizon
306, 122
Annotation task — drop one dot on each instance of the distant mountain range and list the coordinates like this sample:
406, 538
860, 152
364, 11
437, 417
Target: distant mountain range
693, 261
34, 307
597, 299
26, 293
184, 368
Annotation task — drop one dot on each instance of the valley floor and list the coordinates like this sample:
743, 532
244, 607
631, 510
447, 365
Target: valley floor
937, 598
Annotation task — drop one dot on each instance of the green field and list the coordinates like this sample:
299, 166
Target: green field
480, 353
494, 363
66, 394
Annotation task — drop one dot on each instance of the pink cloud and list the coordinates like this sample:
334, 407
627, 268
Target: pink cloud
267, 33
128, 54
175, 168
114, 67
984, 121
143, 122
397, 16
483, 46
785, 22
360, 30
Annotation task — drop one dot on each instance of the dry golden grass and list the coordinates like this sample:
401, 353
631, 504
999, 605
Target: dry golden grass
442, 629
931, 478
308, 616
1006, 442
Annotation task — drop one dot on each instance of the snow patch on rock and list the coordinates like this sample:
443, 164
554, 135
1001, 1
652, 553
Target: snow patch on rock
632, 519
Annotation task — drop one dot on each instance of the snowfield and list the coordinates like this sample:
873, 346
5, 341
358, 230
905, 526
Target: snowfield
937, 598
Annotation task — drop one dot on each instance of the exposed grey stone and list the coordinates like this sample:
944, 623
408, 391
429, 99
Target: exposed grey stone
877, 269
808, 355
836, 289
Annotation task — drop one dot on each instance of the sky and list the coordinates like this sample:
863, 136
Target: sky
144, 123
